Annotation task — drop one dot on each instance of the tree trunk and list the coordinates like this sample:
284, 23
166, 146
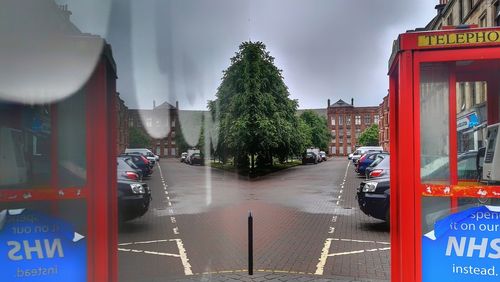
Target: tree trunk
253, 161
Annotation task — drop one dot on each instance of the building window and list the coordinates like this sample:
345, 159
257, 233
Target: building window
461, 97
482, 21
473, 94
483, 92
358, 132
376, 119
341, 120
357, 120
341, 150
341, 141
333, 150
348, 120
131, 122
333, 133
172, 142
368, 119
149, 122
333, 120
461, 10
497, 13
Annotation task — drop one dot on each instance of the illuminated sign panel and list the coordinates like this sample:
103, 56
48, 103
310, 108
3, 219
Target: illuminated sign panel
37, 247
465, 38
464, 246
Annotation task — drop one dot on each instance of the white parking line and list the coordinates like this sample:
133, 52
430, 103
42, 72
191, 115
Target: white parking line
180, 245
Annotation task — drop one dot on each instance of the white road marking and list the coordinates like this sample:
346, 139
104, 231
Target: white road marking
184, 258
332, 229
147, 242
361, 241
358, 252
180, 245
324, 256
149, 252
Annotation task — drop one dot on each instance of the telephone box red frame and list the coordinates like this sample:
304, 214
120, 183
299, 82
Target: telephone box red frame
100, 191
404, 89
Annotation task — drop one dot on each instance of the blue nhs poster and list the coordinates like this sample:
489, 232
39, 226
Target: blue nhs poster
464, 246
38, 247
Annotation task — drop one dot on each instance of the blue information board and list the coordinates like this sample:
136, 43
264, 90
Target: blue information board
38, 247
464, 246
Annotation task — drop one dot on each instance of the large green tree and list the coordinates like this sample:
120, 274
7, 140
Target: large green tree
369, 137
257, 118
137, 139
319, 133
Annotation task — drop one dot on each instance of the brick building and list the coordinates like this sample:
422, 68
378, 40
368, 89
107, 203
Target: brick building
471, 95
122, 125
159, 125
346, 122
383, 124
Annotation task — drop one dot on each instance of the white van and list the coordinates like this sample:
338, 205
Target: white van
361, 150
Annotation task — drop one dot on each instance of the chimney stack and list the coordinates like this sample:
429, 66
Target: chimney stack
177, 104
352, 102
328, 103
154, 104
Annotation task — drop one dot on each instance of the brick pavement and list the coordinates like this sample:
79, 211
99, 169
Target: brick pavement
270, 277
294, 213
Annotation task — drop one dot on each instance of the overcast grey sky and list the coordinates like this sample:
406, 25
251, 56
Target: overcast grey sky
176, 50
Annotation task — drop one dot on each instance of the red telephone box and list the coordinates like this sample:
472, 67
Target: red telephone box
445, 169
58, 216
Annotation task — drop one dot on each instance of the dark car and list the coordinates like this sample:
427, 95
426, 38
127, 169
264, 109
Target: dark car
141, 162
195, 158
374, 198
366, 160
133, 199
379, 168
309, 157
127, 170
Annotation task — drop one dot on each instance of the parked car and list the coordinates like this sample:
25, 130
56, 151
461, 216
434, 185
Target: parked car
152, 158
141, 162
309, 157
183, 157
127, 170
379, 168
133, 199
316, 153
374, 198
362, 150
467, 166
366, 160
196, 158
322, 155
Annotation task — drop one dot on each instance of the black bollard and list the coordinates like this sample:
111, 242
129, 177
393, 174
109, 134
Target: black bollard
250, 243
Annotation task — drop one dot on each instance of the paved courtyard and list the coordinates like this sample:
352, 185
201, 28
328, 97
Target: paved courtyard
307, 227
